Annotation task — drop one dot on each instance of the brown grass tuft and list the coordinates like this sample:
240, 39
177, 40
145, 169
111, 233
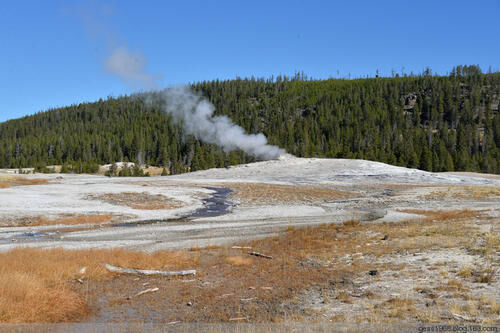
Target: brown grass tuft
466, 193
399, 307
258, 193
136, 200
351, 223
442, 215
86, 219
239, 261
8, 181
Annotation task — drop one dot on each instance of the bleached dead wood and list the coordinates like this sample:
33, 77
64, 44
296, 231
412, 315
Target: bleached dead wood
242, 247
238, 318
125, 270
248, 299
257, 254
150, 290
461, 317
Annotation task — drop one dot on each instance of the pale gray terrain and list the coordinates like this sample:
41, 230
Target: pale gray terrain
379, 193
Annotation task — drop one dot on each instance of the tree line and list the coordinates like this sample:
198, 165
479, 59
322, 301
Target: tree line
425, 121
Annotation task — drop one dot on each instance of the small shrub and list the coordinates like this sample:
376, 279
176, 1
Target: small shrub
465, 272
486, 276
351, 223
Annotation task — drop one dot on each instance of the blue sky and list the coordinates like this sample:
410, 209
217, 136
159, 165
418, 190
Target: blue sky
53, 53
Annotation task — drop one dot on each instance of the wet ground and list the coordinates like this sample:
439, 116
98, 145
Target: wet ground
218, 203
215, 205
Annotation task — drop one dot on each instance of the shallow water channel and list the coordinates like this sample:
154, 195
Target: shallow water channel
216, 204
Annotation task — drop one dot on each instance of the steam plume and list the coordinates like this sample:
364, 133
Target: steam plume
187, 107
131, 68
191, 109
196, 114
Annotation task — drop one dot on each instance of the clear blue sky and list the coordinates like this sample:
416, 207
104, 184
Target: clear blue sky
52, 52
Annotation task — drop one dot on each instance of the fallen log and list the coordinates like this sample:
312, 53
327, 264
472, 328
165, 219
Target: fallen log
257, 254
125, 270
242, 247
150, 290
248, 299
461, 317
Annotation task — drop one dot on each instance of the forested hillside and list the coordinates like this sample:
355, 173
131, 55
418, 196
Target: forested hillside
435, 123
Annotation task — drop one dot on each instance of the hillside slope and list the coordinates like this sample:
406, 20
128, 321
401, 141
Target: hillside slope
428, 122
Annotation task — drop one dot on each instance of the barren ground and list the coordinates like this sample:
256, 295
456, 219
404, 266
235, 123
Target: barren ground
352, 241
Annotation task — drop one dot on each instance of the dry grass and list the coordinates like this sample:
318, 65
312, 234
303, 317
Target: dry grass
222, 271
85, 219
344, 297
399, 307
232, 284
351, 223
493, 241
441, 229
485, 275
155, 206
9, 181
442, 215
136, 200
239, 261
453, 285
465, 193
465, 272
36, 285
259, 193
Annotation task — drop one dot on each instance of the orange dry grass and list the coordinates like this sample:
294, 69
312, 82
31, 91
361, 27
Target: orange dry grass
19, 181
6, 182
442, 215
239, 261
36, 285
89, 219
137, 200
399, 308
466, 193
259, 193
229, 282
26, 297
154, 206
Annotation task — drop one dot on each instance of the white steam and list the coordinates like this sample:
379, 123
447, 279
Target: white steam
196, 114
187, 107
193, 111
130, 68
